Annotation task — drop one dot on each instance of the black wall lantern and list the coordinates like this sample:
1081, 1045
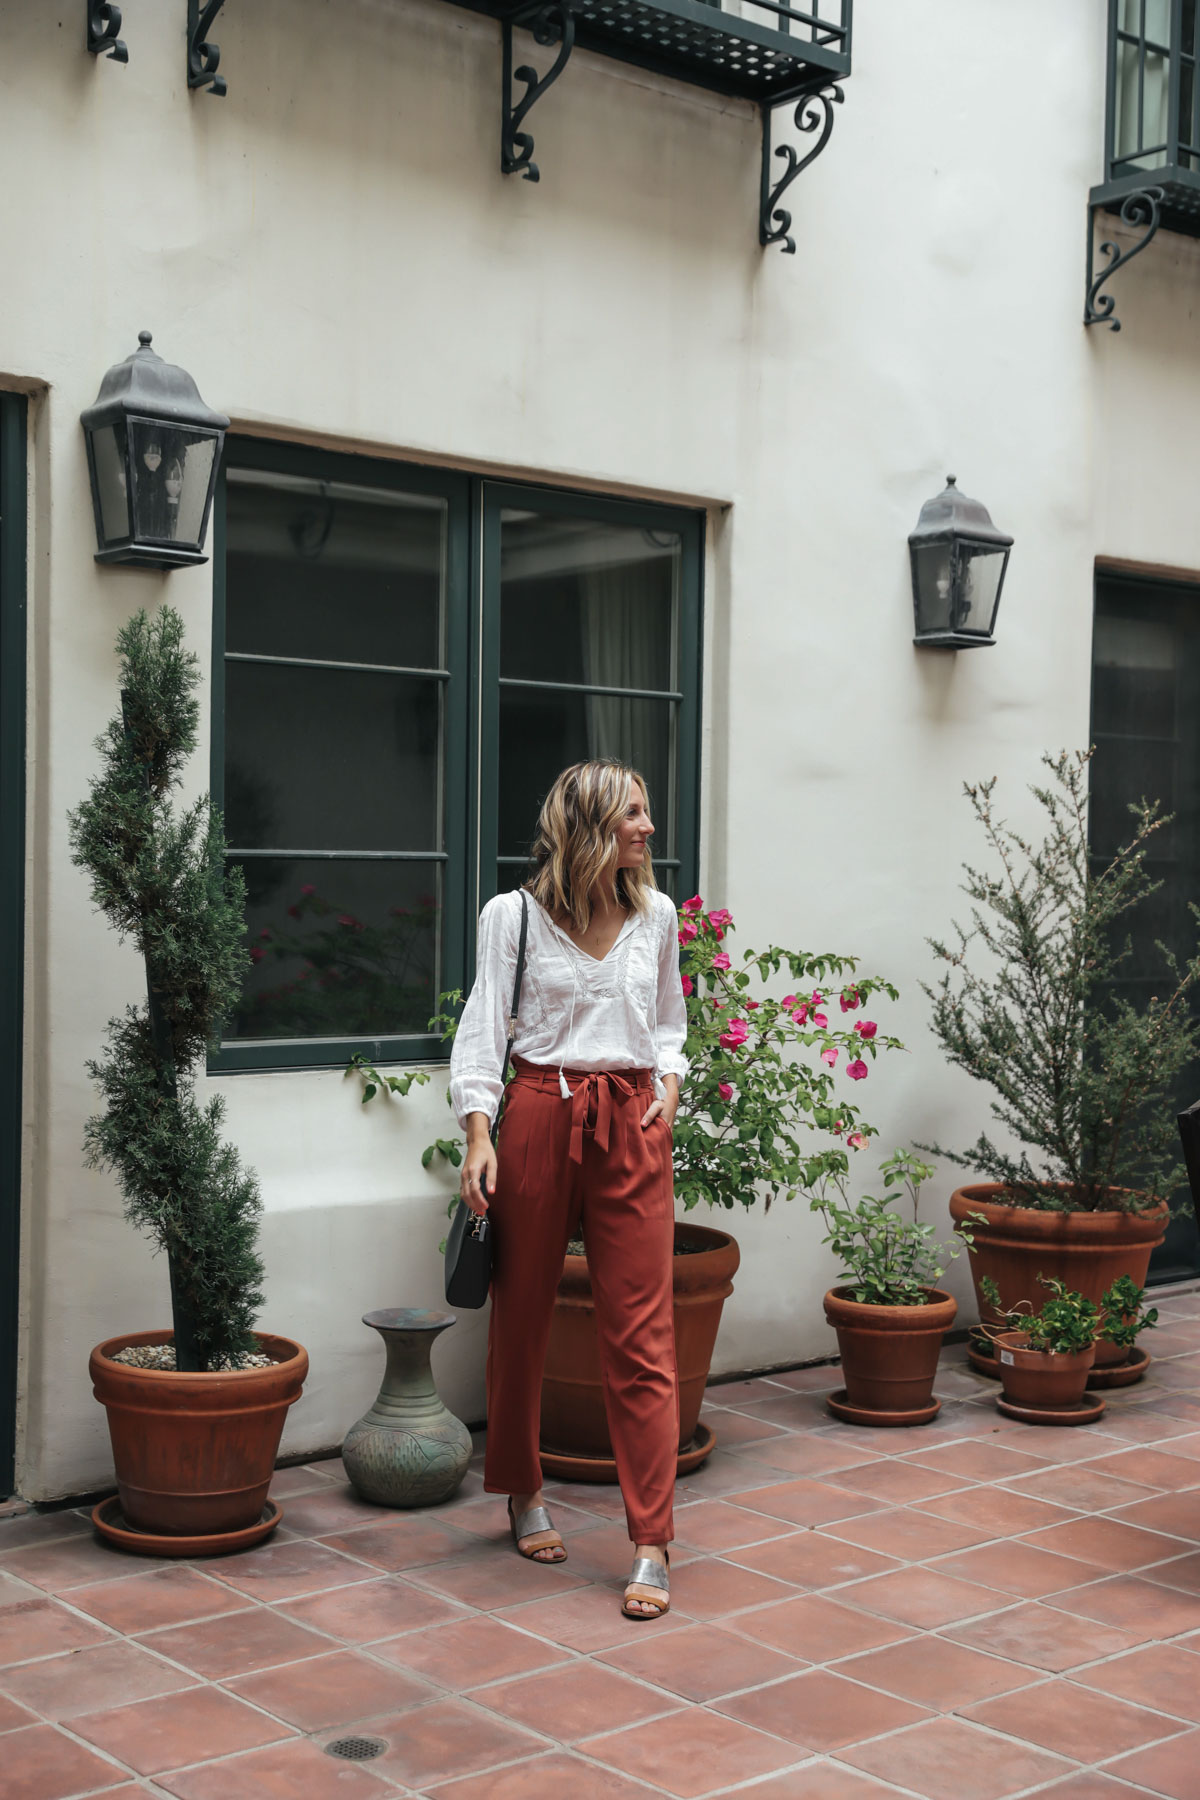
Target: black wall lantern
958, 564
154, 450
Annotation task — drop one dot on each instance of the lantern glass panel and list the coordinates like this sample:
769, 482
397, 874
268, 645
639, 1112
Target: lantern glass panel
108, 459
172, 474
977, 589
932, 567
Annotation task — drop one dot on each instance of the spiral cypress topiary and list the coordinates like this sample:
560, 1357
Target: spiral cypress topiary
159, 875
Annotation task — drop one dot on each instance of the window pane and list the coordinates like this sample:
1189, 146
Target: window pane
324, 759
1158, 23
328, 571
340, 949
541, 732
587, 601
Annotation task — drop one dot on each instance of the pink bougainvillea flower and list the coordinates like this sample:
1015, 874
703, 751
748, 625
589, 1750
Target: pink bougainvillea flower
788, 1000
688, 985
694, 905
721, 919
687, 931
857, 1070
866, 1028
721, 960
801, 1015
829, 1056
752, 1005
348, 919
820, 1019
818, 999
839, 1125
857, 1141
725, 1091
293, 912
256, 955
734, 1034
265, 936
308, 889
851, 1000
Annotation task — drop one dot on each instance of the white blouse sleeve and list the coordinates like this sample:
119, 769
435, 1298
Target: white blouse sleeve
671, 1017
476, 1083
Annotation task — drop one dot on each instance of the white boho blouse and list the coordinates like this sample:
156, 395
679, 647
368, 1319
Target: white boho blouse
625, 1012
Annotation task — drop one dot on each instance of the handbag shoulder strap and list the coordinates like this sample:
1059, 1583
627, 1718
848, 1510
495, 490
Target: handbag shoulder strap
520, 976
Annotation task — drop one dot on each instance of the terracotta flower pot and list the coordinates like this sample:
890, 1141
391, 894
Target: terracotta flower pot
1042, 1379
889, 1356
1085, 1250
573, 1419
194, 1454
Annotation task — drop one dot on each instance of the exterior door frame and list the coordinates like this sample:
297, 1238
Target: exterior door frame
12, 906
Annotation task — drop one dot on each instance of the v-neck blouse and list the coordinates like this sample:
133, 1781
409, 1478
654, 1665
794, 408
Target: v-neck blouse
625, 1011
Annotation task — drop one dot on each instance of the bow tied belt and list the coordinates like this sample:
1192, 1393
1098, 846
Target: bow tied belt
591, 1093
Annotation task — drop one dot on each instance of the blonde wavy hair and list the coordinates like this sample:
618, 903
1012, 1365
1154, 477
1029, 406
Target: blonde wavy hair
575, 849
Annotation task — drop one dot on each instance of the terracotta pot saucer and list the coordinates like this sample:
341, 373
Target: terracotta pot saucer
1082, 1414
565, 1465
110, 1522
840, 1407
1122, 1374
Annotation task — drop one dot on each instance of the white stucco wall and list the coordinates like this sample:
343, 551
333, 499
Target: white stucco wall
334, 255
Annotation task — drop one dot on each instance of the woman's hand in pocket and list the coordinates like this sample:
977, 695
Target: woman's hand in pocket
666, 1108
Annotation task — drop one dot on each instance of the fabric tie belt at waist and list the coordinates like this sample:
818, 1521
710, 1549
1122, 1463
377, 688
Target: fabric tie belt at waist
592, 1092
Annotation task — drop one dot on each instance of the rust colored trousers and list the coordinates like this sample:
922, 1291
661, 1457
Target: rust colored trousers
586, 1163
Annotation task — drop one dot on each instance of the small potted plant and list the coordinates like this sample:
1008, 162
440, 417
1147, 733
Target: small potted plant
194, 1413
1124, 1316
887, 1308
1045, 1357
1030, 1005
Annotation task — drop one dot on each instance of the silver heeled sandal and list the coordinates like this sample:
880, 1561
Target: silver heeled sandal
535, 1522
647, 1572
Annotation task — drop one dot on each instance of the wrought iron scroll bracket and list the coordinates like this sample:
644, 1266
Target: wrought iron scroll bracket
814, 113
203, 56
551, 22
1140, 211
103, 25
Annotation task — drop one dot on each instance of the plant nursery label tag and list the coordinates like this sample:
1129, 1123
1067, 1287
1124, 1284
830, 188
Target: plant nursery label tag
1006, 1356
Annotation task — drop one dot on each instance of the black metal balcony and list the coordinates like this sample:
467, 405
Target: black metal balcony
767, 52
1152, 135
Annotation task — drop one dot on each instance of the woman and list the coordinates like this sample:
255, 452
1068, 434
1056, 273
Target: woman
585, 1143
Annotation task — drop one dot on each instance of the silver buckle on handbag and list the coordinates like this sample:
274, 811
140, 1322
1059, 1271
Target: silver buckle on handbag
478, 1224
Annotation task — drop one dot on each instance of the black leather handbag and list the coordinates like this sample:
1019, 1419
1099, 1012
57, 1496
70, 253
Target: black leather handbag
469, 1243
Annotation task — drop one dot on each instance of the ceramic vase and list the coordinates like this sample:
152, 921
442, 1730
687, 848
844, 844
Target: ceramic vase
408, 1450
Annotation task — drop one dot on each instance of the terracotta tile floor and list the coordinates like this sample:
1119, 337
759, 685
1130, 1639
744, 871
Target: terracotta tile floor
969, 1611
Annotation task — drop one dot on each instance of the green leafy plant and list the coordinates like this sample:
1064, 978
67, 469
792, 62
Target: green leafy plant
375, 1083
1066, 1324
886, 1259
762, 1113
1027, 1005
1125, 1315
159, 875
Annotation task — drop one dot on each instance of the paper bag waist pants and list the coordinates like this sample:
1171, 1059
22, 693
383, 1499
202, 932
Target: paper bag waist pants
566, 1165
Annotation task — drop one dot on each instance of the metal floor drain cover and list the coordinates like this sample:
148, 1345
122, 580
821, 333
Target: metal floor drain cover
356, 1749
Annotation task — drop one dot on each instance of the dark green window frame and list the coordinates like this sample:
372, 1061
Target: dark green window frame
473, 688
12, 905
